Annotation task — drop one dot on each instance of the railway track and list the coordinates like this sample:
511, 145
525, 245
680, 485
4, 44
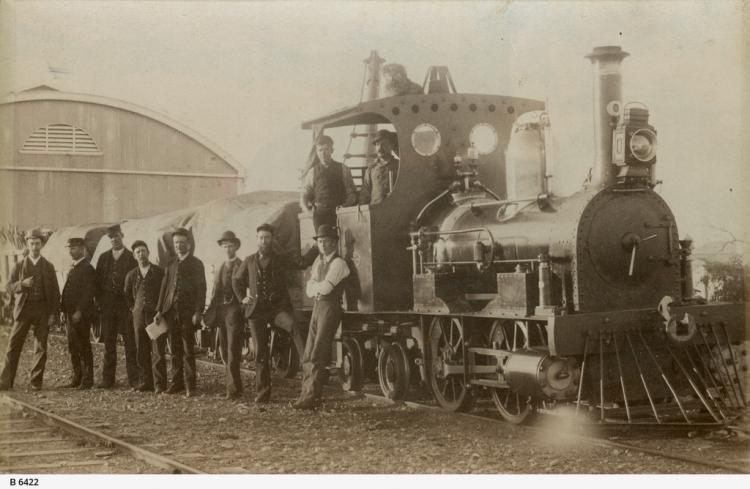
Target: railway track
36, 441
486, 415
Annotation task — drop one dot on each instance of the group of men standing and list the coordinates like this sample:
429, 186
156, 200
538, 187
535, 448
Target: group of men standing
130, 293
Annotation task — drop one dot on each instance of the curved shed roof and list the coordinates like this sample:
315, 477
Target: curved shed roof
44, 92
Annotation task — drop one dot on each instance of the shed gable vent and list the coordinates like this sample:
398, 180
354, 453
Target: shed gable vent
60, 139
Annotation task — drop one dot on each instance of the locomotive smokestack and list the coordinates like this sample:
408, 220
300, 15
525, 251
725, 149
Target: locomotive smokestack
607, 88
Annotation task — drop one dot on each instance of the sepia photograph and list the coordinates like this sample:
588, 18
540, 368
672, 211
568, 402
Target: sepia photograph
339, 238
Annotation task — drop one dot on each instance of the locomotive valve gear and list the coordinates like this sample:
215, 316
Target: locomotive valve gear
33, 284
326, 286
111, 269
141, 289
229, 313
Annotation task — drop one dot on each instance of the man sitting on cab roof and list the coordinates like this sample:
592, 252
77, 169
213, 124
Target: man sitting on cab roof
328, 184
380, 176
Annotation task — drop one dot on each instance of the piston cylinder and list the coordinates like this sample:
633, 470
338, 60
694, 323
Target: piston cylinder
536, 374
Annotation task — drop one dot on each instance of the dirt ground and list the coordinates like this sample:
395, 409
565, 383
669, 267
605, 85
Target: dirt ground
347, 435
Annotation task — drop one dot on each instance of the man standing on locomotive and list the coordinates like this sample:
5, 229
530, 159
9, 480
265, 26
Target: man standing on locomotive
79, 310
182, 299
226, 306
328, 184
111, 269
326, 286
261, 283
37, 297
142, 286
380, 175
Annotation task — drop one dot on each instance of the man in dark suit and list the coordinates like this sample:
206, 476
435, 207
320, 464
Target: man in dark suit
142, 285
261, 283
37, 297
111, 269
79, 310
226, 307
182, 299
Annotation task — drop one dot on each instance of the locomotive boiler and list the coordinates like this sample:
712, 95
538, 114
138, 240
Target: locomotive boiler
474, 277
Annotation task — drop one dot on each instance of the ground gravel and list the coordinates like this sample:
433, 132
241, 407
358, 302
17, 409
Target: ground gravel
349, 434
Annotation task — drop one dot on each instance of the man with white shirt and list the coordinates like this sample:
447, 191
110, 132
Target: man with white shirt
326, 286
111, 269
79, 309
182, 299
229, 313
37, 297
142, 285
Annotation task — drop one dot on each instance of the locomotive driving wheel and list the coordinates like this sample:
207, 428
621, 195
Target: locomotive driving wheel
446, 338
284, 359
510, 336
393, 371
350, 373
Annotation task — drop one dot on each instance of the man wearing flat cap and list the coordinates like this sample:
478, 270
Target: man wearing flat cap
79, 309
327, 185
182, 299
111, 269
37, 296
326, 286
260, 282
380, 175
142, 285
228, 312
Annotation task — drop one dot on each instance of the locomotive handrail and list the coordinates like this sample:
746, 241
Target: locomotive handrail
417, 234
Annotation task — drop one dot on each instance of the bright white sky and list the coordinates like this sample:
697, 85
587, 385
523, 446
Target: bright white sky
245, 74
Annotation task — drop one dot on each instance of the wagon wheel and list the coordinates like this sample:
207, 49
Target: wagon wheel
393, 371
446, 339
284, 360
510, 336
350, 373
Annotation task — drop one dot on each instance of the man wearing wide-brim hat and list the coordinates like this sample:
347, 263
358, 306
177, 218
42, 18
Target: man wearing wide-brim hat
381, 175
33, 285
326, 286
111, 269
78, 306
228, 314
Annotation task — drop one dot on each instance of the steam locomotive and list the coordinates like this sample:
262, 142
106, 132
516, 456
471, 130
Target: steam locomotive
474, 278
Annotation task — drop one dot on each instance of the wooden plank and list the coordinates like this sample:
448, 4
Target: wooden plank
45, 452
18, 468
30, 440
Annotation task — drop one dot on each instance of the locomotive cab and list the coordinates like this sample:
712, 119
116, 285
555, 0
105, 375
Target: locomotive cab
433, 130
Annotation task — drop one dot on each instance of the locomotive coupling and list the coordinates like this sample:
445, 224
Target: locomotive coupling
536, 374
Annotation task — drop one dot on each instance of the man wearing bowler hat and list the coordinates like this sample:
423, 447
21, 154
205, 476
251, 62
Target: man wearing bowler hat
227, 309
79, 309
328, 184
182, 299
261, 283
380, 175
111, 269
326, 286
37, 296
142, 285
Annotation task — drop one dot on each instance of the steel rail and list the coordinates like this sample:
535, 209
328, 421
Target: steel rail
586, 439
82, 431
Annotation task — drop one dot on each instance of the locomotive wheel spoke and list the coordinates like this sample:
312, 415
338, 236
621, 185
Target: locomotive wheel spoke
510, 404
446, 348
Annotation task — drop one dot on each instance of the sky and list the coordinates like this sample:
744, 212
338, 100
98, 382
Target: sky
246, 74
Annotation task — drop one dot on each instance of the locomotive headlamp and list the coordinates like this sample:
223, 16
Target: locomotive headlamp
643, 145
